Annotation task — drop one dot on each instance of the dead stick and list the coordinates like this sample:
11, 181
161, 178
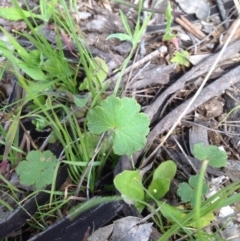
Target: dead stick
214, 89
195, 72
184, 22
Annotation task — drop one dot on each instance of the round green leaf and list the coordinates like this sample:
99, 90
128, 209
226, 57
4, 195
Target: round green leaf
38, 169
129, 184
122, 119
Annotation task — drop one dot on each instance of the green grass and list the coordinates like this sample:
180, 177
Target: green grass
51, 83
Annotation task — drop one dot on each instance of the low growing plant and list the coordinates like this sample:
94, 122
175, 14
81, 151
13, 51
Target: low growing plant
54, 99
215, 158
181, 58
129, 184
121, 119
187, 190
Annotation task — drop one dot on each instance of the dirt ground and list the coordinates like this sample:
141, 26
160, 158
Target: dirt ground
189, 98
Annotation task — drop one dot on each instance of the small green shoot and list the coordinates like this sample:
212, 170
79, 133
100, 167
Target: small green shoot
171, 213
181, 58
26, 64
168, 35
129, 184
37, 169
134, 38
123, 36
205, 220
176, 214
40, 123
215, 156
187, 191
99, 69
13, 14
121, 118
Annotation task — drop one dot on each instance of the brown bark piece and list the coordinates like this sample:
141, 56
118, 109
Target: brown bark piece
236, 35
151, 76
214, 89
194, 73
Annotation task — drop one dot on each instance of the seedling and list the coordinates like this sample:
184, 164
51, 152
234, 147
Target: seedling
187, 191
129, 184
181, 58
215, 157
162, 177
168, 34
128, 36
134, 38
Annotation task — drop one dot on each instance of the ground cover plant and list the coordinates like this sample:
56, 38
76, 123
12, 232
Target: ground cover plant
70, 104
